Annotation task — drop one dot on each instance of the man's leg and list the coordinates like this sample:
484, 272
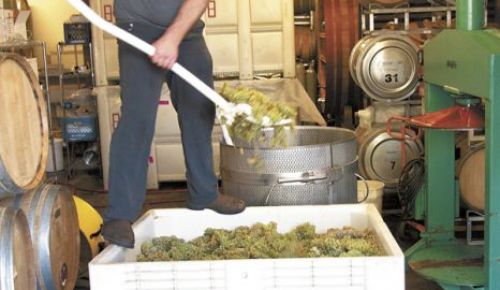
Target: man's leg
196, 116
140, 82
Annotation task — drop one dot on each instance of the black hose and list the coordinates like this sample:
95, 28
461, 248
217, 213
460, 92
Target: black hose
411, 180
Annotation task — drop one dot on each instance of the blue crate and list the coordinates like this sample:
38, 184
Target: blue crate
82, 128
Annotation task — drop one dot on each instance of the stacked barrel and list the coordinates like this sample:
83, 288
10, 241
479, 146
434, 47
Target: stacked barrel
39, 234
385, 64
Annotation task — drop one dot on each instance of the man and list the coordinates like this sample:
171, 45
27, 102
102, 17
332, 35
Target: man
175, 29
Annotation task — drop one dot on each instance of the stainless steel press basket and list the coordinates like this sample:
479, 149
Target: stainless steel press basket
317, 167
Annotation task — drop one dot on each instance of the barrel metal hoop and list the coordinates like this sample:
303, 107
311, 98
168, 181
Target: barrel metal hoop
44, 256
33, 205
7, 185
17, 203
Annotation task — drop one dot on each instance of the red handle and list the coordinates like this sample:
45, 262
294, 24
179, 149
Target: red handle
405, 133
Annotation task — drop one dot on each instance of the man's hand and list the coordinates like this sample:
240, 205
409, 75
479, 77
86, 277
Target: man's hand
167, 50
167, 46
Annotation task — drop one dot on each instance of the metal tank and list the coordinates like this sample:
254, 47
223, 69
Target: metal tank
317, 167
380, 157
384, 64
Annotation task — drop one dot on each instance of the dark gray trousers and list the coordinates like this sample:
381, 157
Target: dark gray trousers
141, 82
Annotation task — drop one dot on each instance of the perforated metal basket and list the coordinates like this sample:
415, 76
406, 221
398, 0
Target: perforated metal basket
317, 167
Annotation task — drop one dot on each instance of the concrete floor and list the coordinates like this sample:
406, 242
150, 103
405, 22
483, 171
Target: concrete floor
174, 195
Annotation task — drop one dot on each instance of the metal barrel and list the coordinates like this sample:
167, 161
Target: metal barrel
385, 66
471, 178
380, 157
317, 167
24, 127
16, 251
53, 224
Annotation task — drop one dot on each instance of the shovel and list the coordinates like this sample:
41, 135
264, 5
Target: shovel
226, 109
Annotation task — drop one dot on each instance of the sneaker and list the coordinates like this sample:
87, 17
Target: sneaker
119, 232
224, 204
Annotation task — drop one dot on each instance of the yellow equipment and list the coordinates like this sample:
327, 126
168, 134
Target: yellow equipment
90, 222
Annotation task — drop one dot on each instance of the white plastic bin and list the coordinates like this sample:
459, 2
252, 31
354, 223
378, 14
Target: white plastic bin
116, 268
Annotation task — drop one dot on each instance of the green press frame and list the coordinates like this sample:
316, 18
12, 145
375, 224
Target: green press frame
458, 63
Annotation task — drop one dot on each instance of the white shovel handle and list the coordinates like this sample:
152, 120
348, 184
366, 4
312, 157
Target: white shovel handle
149, 50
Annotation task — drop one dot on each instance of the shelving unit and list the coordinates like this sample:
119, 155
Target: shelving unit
79, 77
369, 12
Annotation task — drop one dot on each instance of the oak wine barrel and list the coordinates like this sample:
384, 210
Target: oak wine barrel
16, 252
24, 130
53, 224
471, 178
